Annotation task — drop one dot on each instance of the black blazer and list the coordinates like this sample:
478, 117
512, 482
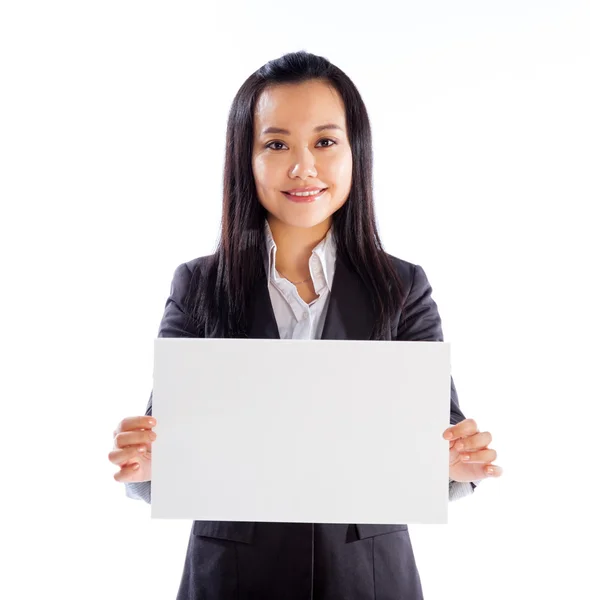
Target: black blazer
231, 560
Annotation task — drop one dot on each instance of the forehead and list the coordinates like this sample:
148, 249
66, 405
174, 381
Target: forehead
299, 105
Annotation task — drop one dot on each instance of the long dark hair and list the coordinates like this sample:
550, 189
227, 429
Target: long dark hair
220, 305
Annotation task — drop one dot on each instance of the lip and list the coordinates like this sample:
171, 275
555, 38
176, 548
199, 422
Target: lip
305, 189
305, 199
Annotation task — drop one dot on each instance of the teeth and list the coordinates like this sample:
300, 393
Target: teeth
305, 193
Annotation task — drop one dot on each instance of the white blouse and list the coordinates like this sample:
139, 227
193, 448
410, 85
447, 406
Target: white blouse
296, 319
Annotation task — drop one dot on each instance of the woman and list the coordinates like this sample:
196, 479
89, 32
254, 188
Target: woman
300, 257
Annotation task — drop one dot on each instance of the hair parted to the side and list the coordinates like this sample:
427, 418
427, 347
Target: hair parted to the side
220, 307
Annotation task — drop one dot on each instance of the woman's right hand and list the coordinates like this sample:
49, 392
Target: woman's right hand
132, 449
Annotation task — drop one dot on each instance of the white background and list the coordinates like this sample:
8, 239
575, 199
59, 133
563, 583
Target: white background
112, 123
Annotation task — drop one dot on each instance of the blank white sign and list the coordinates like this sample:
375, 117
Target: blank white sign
301, 431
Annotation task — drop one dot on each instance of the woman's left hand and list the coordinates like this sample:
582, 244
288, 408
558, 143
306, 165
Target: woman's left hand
469, 455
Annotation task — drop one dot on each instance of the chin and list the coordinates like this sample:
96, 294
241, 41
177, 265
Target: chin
304, 215
302, 220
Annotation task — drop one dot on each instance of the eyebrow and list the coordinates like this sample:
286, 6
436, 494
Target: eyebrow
287, 132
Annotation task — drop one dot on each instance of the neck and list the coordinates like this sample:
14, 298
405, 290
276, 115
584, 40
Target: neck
294, 246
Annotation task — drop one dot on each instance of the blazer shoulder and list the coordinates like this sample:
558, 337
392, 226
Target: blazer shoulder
405, 270
188, 276
199, 265
191, 271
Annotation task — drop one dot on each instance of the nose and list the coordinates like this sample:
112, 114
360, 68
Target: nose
304, 165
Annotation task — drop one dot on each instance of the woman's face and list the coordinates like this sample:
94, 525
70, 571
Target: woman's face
302, 155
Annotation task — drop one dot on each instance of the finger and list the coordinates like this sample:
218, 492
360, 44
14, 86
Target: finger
131, 423
482, 456
462, 429
126, 473
453, 456
493, 470
477, 441
131, 438
119, 457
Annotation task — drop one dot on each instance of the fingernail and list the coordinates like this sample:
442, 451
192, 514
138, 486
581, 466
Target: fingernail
152, 422
491, 470
448, 435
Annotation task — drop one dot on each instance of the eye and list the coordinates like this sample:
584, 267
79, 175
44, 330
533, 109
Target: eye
327, 140
271, 143
281, 143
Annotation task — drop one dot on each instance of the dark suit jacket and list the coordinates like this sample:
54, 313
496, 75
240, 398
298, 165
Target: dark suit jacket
283, 561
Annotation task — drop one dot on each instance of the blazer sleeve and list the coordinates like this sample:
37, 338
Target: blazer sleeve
420, 321
175, 323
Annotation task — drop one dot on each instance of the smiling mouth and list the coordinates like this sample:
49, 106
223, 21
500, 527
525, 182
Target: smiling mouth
304, 199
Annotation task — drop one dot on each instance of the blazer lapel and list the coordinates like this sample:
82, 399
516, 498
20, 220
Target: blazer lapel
262, 321
350, 315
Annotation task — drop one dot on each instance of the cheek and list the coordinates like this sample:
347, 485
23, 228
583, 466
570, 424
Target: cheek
257, 170
341, 172
263, 179
263, 173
